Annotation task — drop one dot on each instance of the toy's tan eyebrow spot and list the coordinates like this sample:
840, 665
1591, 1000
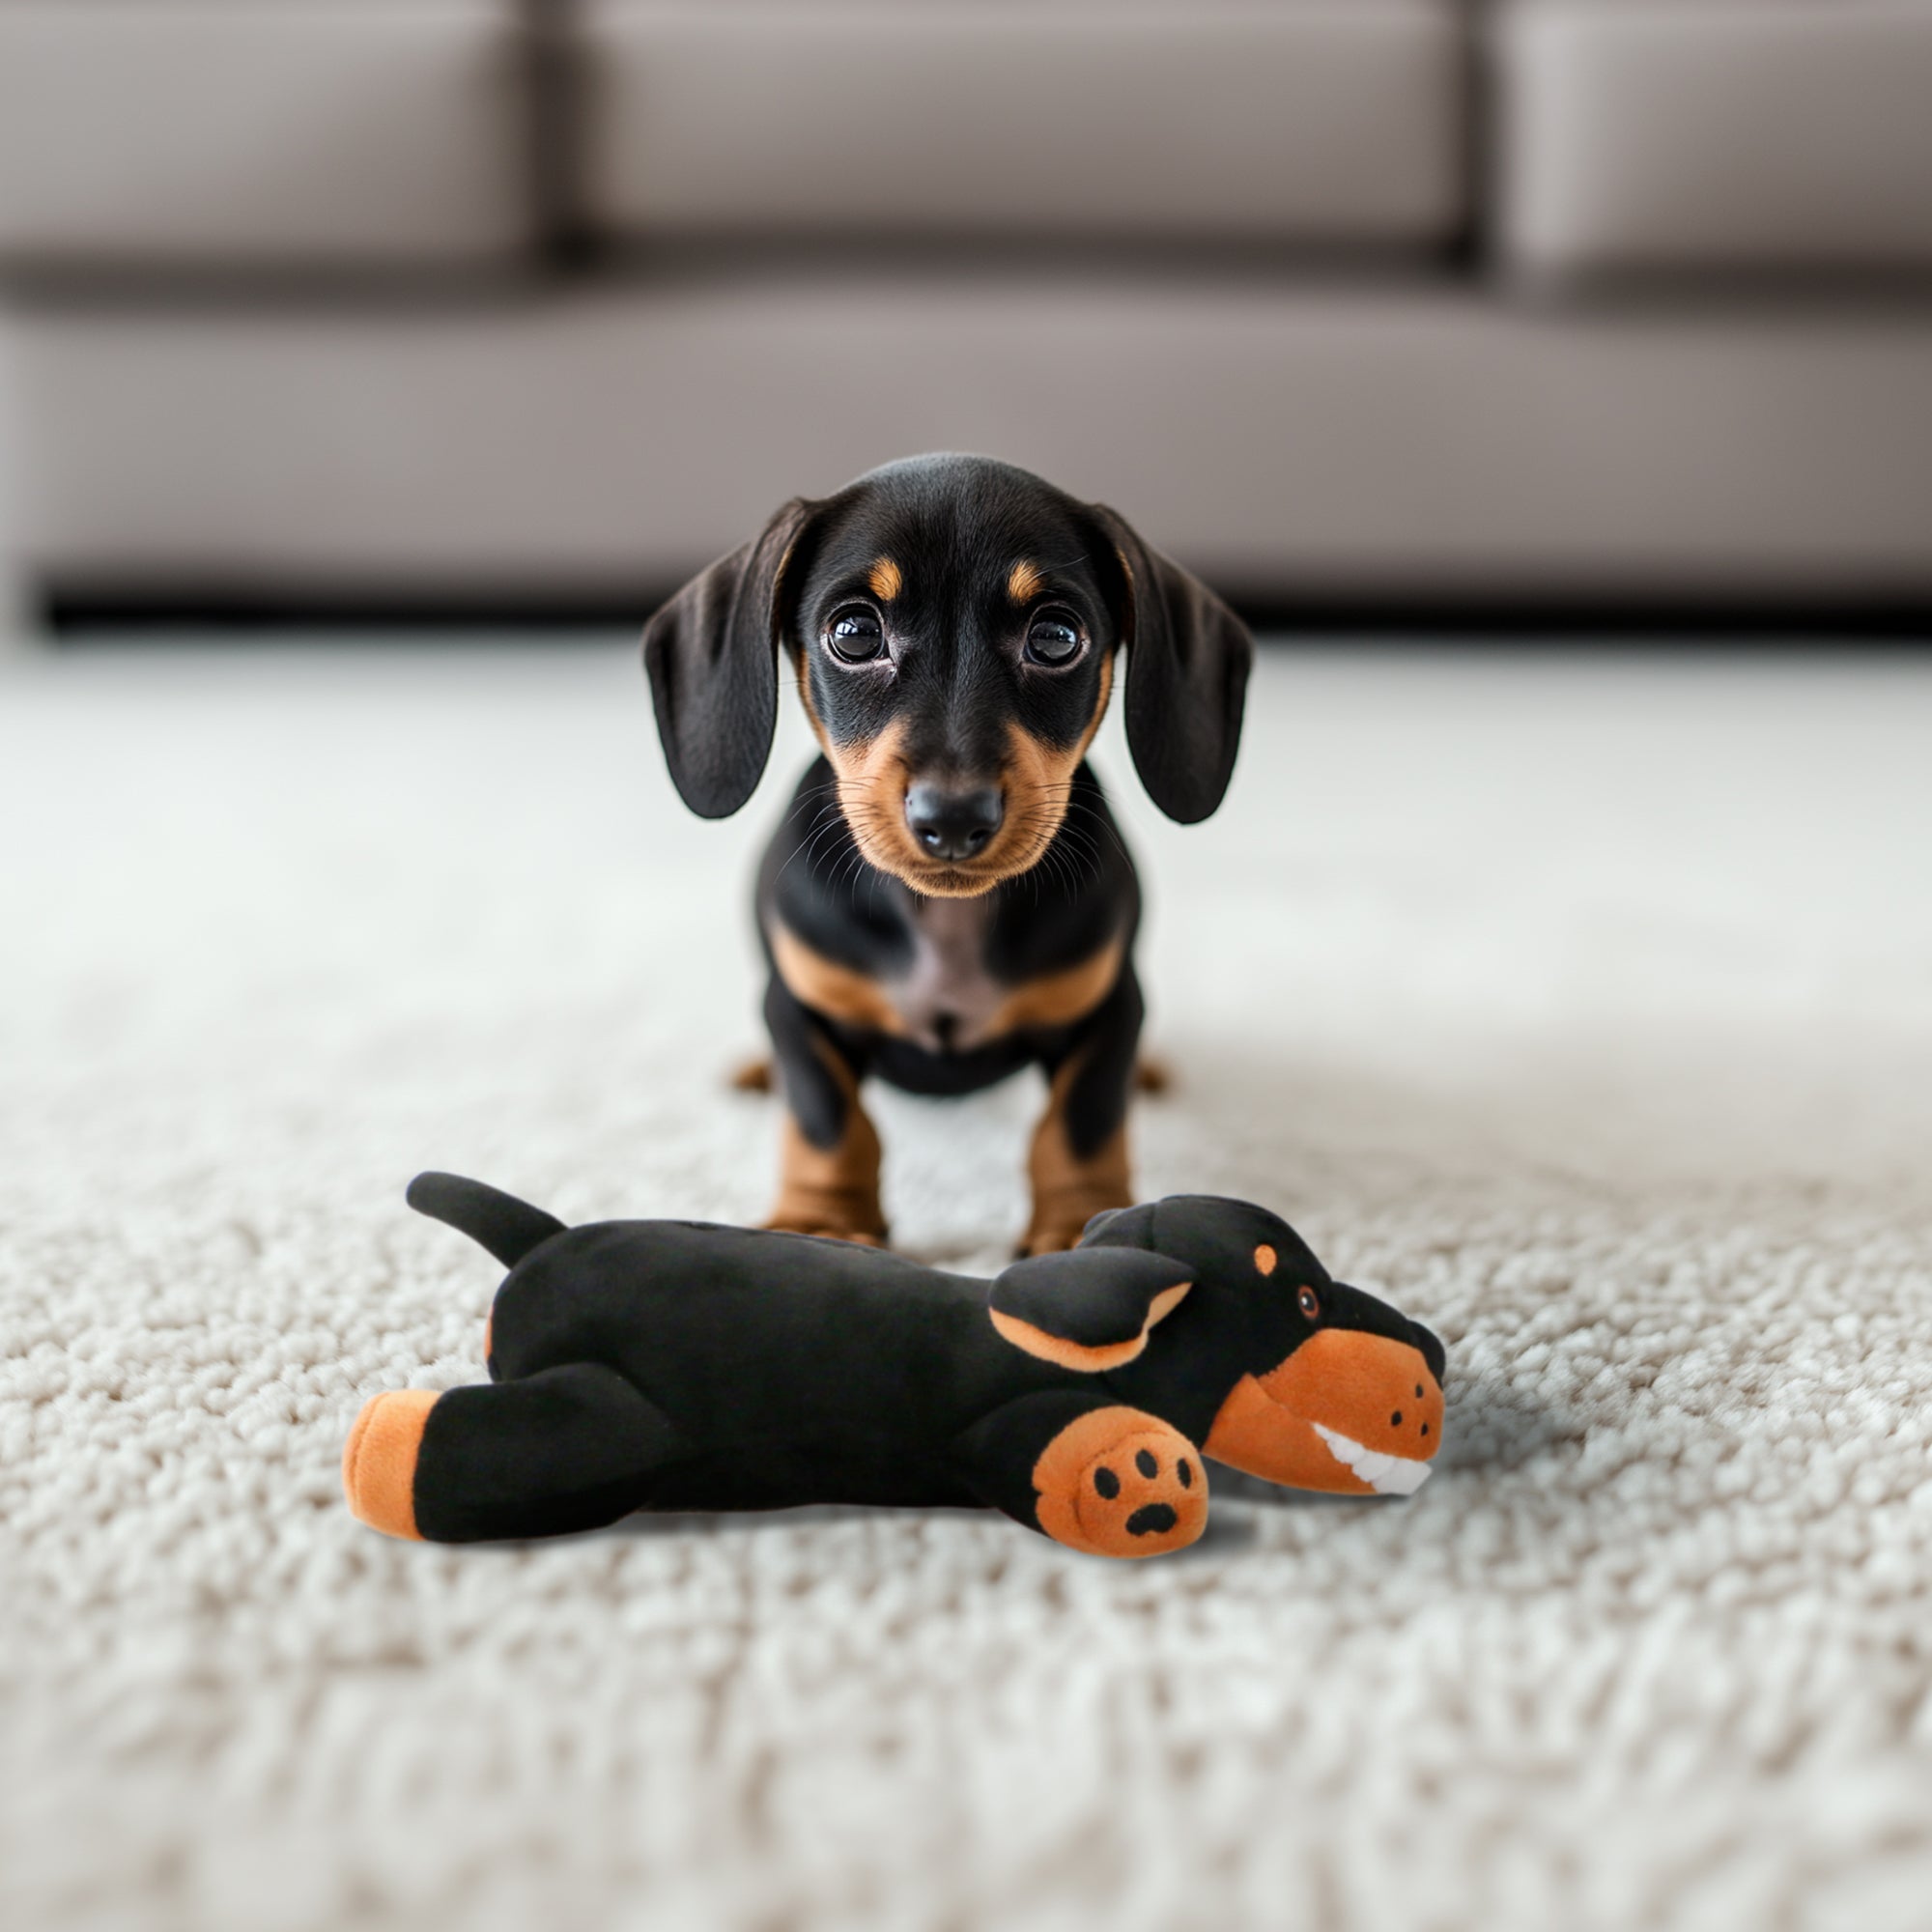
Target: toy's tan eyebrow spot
1023, 585
885, 580
1264, 1258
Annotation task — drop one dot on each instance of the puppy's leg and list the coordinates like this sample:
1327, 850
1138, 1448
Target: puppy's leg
570, 1448
1093, 1474
829, 1160
1079, 1164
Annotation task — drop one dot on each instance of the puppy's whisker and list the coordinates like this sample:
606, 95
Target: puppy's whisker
828, 823
805, 796
1086, 810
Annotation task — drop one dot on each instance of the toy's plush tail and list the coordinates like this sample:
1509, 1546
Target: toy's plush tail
508, 1227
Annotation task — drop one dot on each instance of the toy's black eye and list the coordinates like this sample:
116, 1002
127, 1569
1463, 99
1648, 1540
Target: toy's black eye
1309, 1302
1054, 639
855, 635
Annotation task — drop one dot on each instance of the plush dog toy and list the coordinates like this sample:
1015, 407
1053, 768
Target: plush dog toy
673, 1365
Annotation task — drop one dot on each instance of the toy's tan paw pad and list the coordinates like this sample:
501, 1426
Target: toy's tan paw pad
379, 1462
1119, 1482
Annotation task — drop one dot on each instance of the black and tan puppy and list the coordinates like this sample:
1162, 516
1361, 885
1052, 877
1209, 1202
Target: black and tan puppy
671, 1365
948, 899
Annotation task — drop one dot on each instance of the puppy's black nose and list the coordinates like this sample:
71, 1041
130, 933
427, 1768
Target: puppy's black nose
952, 824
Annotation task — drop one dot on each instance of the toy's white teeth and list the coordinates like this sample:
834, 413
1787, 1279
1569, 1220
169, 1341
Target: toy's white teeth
1386, 1475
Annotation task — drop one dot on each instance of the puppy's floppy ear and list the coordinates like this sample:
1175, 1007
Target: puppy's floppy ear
1090, 1309
711, 655
1188, 677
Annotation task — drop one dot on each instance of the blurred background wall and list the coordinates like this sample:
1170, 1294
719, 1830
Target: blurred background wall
1390, 302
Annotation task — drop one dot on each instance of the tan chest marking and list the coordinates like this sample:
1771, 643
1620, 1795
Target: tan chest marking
839, 992
946, 999
1059, 998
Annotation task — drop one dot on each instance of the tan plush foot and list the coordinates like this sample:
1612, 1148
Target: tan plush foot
1119, 1482
379, 1465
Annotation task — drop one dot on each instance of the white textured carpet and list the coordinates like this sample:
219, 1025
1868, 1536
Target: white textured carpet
1584, 1007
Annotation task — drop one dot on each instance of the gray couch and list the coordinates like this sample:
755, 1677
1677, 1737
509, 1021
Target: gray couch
1394, 300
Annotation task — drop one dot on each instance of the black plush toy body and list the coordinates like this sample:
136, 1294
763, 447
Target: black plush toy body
674, 1365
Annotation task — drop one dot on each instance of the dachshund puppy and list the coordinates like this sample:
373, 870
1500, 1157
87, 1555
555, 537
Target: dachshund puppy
948, 899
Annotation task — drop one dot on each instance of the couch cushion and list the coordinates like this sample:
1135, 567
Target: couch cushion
1330, 121
1687, 134
243, 131
1286, 438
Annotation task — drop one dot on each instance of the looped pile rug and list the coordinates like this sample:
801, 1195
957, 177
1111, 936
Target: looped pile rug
1581, 1004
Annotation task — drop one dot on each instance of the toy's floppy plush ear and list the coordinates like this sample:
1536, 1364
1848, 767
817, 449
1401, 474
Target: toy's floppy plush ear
711, 655
1120, 1228
1087, 1309
1188, 677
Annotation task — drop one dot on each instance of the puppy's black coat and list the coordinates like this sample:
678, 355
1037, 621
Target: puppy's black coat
949, 898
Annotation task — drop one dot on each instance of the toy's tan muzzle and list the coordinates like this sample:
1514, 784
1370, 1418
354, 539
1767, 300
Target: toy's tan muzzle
1355, 1413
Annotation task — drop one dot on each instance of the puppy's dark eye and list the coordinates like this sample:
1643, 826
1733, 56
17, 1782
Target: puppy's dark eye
1309, 1303
1054, 639
855, 635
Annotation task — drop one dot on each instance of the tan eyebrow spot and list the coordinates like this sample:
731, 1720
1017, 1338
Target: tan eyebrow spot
1024, 584
1264, 1258
885, 579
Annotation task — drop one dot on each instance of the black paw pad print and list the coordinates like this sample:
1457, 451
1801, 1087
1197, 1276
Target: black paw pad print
1147, 1519
1117, 1482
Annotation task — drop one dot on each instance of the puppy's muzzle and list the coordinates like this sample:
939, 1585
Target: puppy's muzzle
952, 825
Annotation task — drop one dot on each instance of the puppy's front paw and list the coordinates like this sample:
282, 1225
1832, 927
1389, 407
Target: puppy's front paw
1060, 1218
1049, 1238
827, 1223
1119, 1482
